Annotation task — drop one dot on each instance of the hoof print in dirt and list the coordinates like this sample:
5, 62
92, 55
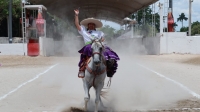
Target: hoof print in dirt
74, 109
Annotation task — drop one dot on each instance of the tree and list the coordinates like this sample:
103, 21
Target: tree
195, 23
16, 10
184, 29
16, 13
175, 25
108, 31
181, 18
195, 28
148, 17
119, 32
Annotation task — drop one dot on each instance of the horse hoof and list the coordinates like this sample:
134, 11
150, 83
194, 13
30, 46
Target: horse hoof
86, 99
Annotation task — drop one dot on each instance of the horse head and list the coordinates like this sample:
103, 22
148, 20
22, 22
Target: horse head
97, 50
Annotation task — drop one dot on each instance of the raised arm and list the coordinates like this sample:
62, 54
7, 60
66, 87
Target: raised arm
77, 20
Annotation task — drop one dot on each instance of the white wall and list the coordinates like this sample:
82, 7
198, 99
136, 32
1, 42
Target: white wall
50, 47
13, 49
46, 46
178, 42
152, 45
127, 46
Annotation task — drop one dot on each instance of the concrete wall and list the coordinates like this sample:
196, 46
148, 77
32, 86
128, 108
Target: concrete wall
5, 40
68, 47
178, 42
127, 46
13, 49
65, 47
152, 45
46, 46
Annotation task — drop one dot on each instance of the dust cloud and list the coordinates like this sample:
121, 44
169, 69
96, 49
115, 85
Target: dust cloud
132, 87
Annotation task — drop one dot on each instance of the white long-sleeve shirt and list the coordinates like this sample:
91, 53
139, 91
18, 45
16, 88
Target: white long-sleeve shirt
90, 34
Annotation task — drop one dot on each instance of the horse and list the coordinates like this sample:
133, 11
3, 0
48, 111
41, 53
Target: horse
95, 73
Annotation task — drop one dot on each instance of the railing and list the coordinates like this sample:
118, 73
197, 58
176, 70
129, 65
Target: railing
5, 40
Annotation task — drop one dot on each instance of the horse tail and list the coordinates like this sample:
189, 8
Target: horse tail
104, 93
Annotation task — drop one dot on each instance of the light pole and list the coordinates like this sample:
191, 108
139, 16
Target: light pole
10, 21
160, 5
190, 5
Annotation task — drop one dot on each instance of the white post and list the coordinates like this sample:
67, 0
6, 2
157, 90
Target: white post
161, 19
131, 30
23, 24
190, 5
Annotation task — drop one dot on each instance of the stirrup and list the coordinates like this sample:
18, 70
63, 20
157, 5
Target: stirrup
81, 72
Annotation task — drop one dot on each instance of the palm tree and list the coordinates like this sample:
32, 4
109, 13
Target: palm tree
175, 25
181, 18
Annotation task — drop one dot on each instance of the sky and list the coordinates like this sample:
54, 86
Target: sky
179, 6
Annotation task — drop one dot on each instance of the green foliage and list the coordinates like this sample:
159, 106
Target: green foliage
184, 29
181, 18
146, 30
120, 31
108, 31
4, 9
195, 28
148, 17
195, 23
175, 25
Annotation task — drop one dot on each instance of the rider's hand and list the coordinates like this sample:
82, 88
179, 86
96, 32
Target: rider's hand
76, 11
102, 39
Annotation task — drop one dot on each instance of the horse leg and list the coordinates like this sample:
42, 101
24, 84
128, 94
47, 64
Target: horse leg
87, 95
98, 99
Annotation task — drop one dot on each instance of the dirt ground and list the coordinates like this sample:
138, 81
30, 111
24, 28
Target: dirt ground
143, 91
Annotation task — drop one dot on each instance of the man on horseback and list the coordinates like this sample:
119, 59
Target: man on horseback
110, 56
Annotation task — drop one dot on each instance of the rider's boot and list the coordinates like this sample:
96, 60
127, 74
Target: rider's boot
81, 73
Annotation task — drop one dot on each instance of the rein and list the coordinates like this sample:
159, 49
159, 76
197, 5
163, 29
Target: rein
96, 53
95, 72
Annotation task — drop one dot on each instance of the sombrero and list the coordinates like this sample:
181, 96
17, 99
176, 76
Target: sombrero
98, 24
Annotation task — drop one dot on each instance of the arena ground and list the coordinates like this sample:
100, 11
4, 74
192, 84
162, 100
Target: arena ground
154, 83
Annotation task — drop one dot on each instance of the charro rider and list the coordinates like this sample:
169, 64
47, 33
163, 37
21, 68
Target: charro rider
86, 52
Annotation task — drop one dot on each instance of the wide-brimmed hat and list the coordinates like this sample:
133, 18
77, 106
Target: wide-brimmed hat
85, 22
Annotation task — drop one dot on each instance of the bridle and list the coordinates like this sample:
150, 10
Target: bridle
99, 53
95, 72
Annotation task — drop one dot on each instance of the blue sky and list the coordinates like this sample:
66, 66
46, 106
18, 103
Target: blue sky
179, 6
